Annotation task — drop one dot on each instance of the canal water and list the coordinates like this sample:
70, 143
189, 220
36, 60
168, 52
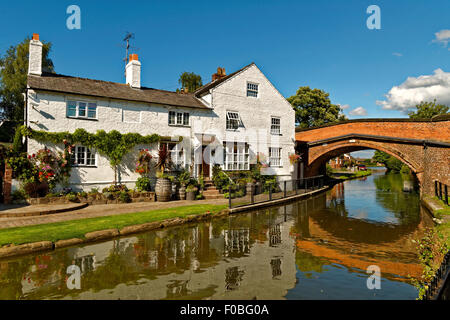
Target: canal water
318, 248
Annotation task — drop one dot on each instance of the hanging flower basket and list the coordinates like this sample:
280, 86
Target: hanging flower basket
294, 158
143, 162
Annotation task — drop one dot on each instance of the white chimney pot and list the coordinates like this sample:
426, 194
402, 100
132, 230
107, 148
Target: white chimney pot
35, 56
133, 72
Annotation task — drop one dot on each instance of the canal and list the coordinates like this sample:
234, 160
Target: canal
318, 248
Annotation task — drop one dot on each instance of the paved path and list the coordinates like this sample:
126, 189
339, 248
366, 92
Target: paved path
14, 211
100, 210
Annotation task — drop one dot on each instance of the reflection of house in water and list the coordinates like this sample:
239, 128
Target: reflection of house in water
276, 267
233, 278
275, 235
86, 263
237, 242
239, 269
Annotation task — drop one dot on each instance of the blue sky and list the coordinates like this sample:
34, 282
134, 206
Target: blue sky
322, 44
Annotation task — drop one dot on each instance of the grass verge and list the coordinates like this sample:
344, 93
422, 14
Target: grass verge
357, 174
78, 228
444, 215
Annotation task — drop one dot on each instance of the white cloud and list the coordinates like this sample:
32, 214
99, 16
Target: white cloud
360, 111
344, 106
443, 37
397, 54
416, 90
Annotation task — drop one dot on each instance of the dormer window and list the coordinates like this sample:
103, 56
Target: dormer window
252, 90
233, 120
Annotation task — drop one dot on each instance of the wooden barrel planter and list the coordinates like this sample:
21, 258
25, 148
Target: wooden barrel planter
163, 190
182, 193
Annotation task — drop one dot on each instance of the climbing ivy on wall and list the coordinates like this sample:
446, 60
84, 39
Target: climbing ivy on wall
113, 144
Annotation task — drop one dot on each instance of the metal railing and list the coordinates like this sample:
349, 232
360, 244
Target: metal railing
263, 191
436, 286
441, 191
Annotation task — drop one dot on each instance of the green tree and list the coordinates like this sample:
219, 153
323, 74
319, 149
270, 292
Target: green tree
391, 163
190, 80
313, 107
13, 78
427, 110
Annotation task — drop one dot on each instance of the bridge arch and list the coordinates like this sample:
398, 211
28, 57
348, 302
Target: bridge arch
423, 145
318, 157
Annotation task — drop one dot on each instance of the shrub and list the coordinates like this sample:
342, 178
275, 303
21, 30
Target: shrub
82, 194
199, 196
115, 188
184, 177
143, 184
36, 189
220, 179
109, 195
93, 191
124, 197
191, 188
72, 197
18, 195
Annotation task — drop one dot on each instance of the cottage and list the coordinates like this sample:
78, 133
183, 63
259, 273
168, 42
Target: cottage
228, 121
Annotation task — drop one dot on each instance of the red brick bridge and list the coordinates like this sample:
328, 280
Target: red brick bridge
423, 145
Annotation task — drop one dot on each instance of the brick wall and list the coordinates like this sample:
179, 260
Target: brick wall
428, 163
422, 130
7, 180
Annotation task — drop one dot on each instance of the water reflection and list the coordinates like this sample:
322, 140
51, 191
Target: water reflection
315, 248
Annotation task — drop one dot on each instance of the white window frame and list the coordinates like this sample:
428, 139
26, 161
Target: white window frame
275, 160
272, 126
252, 89
177, 154
77, 109
233, 117
75, 156
238, 158
181, 118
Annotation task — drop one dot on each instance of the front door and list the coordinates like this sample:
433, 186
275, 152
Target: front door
205, 165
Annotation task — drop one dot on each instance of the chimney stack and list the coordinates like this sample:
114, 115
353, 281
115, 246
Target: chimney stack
133, 72
35, 56
219, 75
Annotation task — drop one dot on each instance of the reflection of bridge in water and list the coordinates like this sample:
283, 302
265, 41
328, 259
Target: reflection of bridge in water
324, 230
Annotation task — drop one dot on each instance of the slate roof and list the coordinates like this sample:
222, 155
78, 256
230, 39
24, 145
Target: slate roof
212, 84
97, 88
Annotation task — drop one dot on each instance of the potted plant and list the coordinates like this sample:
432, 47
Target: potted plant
183, 178
163, 188
191, 192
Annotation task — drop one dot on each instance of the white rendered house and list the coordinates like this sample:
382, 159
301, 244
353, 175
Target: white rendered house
227, 121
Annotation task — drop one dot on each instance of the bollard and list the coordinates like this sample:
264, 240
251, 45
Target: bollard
446, 194
436, 188
229, 196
